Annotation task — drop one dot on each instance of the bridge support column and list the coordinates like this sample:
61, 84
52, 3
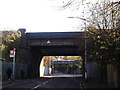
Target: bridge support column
84, 67
34, 64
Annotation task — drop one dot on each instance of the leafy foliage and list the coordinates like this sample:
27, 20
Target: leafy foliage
10, 40
104, 34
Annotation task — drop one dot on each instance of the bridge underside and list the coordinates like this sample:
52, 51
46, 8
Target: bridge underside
58, 50
38, 52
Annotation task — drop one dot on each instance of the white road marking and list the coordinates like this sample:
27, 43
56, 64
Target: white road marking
45, 82
36, 87
41, 84
81, 86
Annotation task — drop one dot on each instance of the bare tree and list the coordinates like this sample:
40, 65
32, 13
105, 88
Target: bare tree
104, 31
102, 24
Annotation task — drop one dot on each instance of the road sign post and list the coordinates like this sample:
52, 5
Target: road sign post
12, 54
14, 65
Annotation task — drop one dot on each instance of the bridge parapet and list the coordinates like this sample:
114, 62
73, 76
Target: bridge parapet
56, 38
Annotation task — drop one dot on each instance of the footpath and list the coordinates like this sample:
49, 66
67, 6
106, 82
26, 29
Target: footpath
7, 82
90, 83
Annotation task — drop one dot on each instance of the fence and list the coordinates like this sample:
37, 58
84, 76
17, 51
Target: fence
20, 70
93, 70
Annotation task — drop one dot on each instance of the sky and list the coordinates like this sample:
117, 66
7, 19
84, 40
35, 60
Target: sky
37, 16
34, 15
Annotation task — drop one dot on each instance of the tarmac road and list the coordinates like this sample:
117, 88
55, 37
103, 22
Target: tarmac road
37, 84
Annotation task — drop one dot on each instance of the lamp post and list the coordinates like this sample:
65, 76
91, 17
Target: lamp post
85, 20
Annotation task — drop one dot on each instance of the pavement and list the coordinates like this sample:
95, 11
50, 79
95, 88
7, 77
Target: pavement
7, 82
91, 83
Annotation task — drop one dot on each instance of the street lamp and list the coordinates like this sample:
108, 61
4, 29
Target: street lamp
80, 18
85, 20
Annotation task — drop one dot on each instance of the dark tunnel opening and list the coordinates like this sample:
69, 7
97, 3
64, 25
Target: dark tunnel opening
38, 53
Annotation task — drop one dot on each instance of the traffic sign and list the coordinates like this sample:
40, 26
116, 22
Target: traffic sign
11, 53
14, 49
48, 42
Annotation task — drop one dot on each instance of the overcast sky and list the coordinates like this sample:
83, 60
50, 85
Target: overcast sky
37, 16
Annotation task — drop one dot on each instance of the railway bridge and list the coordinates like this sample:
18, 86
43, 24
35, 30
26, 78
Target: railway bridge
36, 45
